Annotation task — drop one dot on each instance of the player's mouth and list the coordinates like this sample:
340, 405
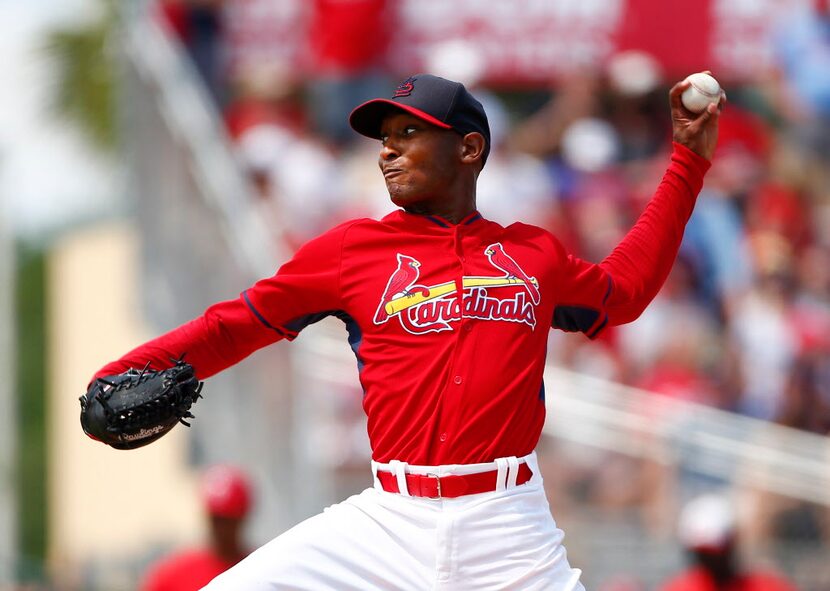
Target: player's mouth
389, 173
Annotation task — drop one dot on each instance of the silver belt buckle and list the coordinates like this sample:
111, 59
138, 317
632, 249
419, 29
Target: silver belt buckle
438, 480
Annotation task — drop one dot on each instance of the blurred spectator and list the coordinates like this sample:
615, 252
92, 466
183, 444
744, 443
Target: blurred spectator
715, 235
348, 41
572, 99
593, 191
791, 532
622, 583
265, 93
708, 531
802, 47
514, 185
806, 403
198, 24
296, 176
226, 494
290, 169
676, 344
637, 106
762, 330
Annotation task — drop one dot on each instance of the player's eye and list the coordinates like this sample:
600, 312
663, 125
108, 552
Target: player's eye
409, 130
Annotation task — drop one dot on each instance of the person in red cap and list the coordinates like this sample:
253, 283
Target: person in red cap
226, 494
448, 315
708, 532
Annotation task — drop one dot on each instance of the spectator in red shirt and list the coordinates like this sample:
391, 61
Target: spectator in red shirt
199, 26
226, 493
708, 532
348, 42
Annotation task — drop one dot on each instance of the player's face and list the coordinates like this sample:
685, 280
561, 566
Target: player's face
419, 161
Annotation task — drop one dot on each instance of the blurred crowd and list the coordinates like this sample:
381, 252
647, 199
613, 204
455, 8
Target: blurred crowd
743, 322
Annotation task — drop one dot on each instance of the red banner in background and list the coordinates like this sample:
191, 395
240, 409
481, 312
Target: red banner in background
530, 41
535, 41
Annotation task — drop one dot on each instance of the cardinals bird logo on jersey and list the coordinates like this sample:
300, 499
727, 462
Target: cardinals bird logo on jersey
502, 260
400, 283
422, 309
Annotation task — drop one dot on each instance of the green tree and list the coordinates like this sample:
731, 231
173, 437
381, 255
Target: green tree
86, 71
30, 312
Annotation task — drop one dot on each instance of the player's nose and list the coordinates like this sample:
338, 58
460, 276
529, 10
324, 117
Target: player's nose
388, 152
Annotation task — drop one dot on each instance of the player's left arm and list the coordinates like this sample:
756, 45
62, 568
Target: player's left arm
225, 334
639, 265
273, 309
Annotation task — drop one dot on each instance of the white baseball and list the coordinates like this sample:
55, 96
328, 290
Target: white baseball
703, 90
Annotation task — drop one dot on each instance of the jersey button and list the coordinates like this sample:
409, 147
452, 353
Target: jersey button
443, 437
457, 379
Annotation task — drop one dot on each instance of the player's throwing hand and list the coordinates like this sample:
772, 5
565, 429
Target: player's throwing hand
696, 131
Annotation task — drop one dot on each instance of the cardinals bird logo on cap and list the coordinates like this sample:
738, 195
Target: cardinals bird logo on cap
405, 88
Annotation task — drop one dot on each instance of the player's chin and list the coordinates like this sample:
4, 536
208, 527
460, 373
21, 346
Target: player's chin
401, 195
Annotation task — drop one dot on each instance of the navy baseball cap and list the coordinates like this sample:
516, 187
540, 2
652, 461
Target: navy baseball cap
439, 101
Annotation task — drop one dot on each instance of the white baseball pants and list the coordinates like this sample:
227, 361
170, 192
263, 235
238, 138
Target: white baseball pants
501, 540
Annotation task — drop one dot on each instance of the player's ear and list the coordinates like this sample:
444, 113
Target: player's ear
472, 147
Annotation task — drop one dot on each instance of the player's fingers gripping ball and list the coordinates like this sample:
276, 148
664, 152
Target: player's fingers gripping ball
703, 89
134, 408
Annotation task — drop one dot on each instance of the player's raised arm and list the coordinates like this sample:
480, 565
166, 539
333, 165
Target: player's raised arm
639, 265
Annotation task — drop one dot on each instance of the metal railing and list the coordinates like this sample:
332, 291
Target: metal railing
191, 117
712, 442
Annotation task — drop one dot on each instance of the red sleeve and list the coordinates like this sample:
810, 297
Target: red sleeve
305, 289
224, 335
639, 265
158, 577
581, 303
618, 289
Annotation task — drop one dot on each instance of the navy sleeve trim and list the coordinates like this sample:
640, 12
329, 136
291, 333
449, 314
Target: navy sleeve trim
608, 291
261, 318
591, 334
598, 329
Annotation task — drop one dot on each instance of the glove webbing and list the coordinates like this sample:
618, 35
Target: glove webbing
169, 403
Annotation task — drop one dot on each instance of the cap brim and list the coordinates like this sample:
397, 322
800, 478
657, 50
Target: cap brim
366, 119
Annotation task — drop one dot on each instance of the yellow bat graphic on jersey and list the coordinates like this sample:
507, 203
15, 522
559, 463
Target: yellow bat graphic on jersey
403, 302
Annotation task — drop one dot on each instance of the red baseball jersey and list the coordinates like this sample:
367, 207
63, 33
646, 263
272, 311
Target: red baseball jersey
448, 322
696, 579
189, 570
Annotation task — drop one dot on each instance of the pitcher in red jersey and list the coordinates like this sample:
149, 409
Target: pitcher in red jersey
448, 315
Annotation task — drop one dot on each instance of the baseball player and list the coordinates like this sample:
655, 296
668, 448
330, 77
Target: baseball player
708, 531
448, 315
227, 497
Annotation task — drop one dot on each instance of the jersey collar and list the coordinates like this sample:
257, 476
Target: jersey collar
437, 220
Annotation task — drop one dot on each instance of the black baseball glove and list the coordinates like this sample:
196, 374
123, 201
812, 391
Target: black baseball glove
134, 408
